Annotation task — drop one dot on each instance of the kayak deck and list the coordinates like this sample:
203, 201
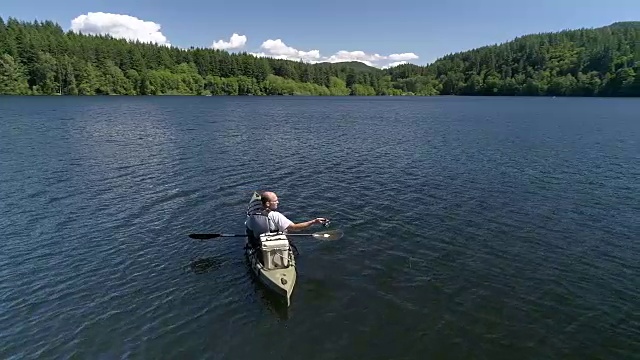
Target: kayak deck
281, 281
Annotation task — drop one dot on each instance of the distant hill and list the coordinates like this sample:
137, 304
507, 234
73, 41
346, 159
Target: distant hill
625, 24
355, 65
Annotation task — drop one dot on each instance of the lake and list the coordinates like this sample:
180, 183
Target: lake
474, 227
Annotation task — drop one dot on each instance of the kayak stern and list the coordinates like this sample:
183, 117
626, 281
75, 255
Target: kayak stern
277, 269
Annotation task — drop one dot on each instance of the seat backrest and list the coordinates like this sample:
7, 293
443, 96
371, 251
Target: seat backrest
257, 218
259, 223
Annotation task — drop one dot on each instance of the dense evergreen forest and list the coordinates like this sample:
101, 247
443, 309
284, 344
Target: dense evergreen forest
41, 58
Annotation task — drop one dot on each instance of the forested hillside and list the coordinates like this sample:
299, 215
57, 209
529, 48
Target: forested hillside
585, 62
40, 58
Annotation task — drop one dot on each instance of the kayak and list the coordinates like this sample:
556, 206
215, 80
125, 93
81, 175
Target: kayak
279, 272
273, 263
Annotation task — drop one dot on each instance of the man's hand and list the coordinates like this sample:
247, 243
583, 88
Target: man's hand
306, 224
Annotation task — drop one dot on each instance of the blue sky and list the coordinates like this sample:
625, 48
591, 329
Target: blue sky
418, 32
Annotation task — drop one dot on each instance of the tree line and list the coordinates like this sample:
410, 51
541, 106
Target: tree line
40, 58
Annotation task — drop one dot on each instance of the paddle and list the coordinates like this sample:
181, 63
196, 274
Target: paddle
326, 235
323, 235
211, 236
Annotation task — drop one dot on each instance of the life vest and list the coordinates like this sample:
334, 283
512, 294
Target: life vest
257, 217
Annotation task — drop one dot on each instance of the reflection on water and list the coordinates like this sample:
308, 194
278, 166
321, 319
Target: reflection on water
204, 265
274, 303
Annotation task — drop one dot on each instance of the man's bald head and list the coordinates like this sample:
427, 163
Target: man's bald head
268, 199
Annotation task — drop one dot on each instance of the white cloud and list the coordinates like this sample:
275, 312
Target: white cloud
403, 56
279, 50
235, 42
395, 63
119, 26
369, 59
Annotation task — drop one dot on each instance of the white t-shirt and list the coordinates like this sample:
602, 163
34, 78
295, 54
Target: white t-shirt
275, 219
281, 221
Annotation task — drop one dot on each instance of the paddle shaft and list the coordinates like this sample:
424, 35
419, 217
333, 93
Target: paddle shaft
212, 236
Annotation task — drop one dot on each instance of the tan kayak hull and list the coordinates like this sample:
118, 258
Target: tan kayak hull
280, 281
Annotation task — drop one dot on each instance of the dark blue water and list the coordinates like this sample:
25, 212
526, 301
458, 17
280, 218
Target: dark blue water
477, 228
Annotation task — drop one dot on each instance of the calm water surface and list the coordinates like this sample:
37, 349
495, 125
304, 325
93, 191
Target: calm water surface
474, 227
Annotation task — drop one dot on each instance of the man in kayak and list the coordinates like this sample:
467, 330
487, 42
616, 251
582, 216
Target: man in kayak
266, 219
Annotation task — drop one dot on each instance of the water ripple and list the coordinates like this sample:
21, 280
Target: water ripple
473, 227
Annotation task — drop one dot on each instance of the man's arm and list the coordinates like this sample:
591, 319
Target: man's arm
286, 224
306, 224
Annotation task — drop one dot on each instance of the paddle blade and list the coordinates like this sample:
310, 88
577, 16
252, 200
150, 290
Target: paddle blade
211, 236
329, 235
204, 236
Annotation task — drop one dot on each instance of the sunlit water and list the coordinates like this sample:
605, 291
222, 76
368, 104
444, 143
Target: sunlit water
474, 227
